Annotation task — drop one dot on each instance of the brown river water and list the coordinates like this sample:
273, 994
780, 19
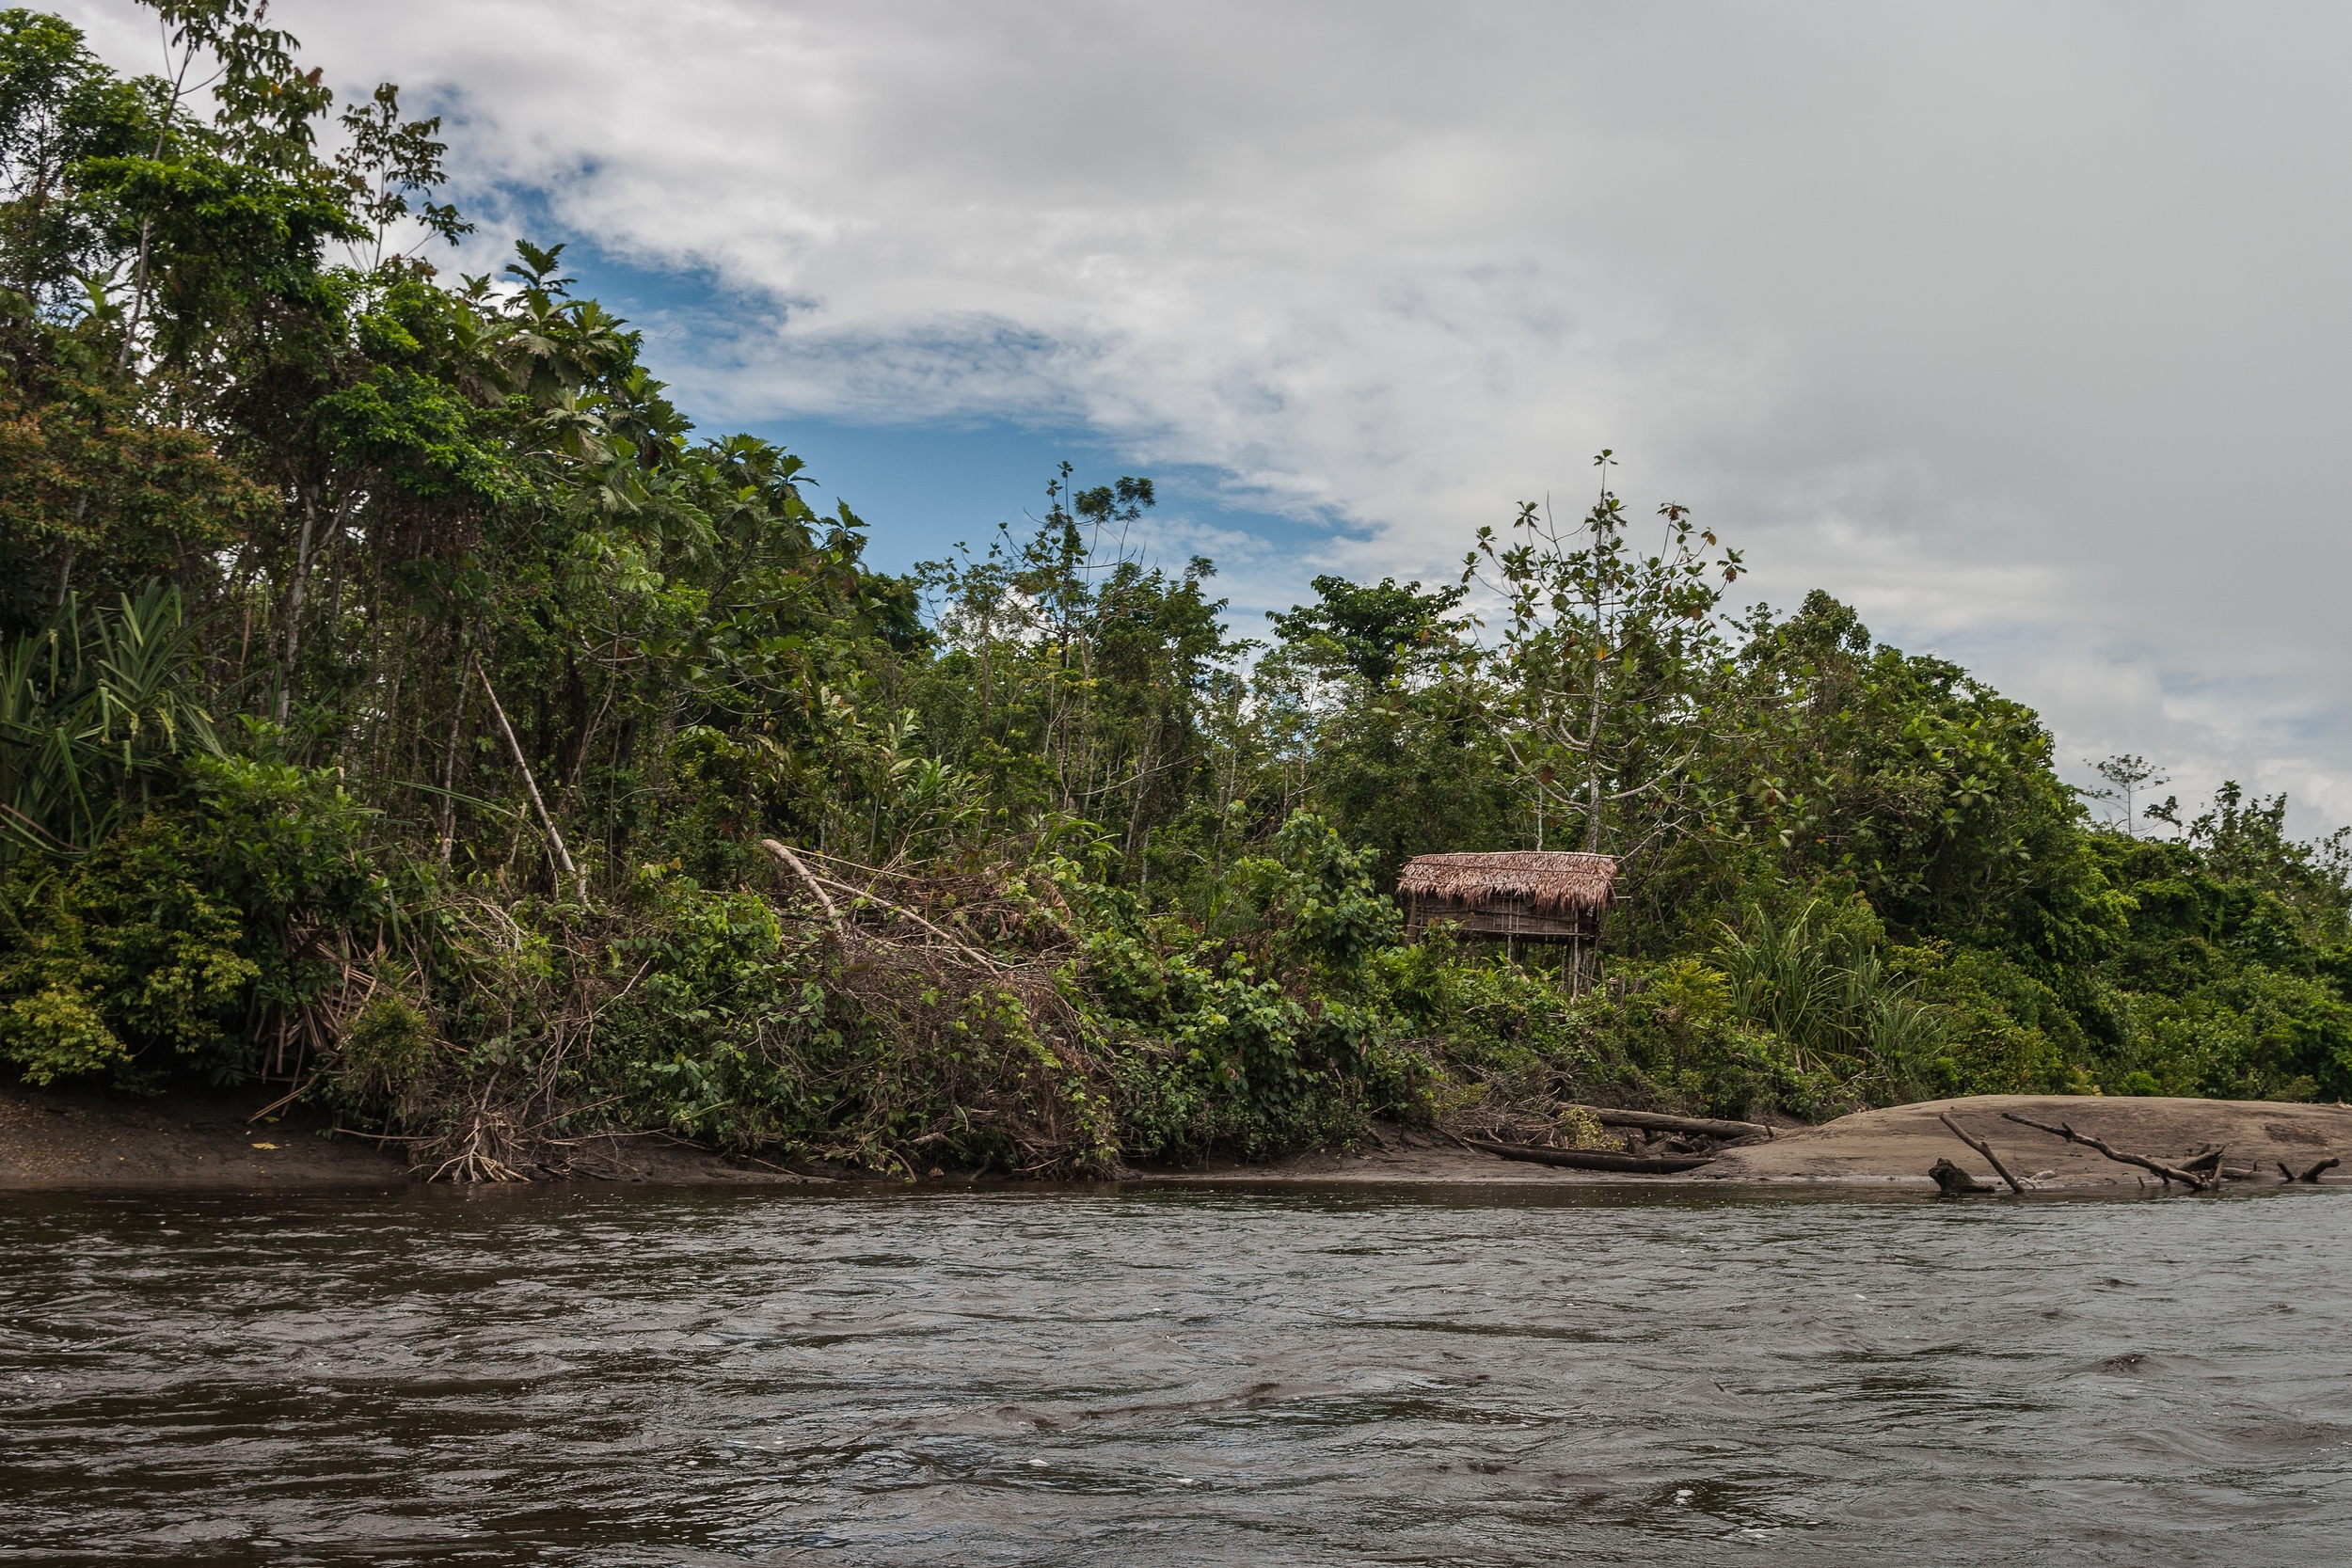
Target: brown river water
1113, 1375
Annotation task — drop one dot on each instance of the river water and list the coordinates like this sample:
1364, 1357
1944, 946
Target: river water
1468, 1375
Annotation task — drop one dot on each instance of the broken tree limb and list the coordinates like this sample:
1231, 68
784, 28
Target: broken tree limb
1653, 1121
1984, 1149
2209, 1160
2168, 1173
297, 1094
1957, 1183
2312, 1175
988, 960
817, 884
563, 855
800, 871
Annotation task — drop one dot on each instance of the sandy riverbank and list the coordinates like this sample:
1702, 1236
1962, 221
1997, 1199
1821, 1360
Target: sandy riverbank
1898, 1143
209, 1141
1894, 1147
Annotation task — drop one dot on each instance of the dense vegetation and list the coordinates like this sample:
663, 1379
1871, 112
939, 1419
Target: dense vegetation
397, 693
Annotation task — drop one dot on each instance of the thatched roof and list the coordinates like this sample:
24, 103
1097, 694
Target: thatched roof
1548, 882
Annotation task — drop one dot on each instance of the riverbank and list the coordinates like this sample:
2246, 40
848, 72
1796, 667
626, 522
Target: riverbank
1895, 1146
216, 1140
52, 1139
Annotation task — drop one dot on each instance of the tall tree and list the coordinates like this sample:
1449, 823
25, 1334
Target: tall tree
1613, 659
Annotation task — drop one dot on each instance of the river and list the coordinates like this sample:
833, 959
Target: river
1113, 1375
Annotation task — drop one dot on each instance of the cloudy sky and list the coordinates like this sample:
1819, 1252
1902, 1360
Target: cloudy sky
2021, 327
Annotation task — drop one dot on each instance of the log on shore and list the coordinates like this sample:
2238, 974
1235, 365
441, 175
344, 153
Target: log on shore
1655, 1121
1594, 1159
1980, 1147
2195, 1183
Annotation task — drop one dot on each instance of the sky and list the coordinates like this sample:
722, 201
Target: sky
2022, 328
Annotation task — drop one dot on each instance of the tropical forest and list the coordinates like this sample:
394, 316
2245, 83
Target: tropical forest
404, 707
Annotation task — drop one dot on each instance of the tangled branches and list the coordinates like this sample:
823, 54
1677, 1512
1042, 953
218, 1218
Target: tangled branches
956, 981
1540, 1119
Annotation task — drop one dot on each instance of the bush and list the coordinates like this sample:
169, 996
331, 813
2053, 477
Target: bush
384, 1054
163, 945
56, 1033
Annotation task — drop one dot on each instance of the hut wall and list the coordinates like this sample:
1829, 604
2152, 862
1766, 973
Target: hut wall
1574, 925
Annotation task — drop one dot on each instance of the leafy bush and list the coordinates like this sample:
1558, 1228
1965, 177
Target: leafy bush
384, 1054
167, 943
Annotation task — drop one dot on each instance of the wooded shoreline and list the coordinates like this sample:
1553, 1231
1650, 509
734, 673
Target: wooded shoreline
408, 716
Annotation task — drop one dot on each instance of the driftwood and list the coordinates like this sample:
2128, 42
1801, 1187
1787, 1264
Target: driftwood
2209, 1160
1982, 1147
2190, 1179
2311, 1175
1590, 1159
1957, 1183
1708, 1127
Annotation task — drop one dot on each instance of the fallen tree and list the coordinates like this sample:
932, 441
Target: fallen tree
1655, 1121
1593, 1159
1980, 1147
2190, 1179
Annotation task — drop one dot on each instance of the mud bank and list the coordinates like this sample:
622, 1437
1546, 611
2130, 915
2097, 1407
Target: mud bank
50, 1139
94, 1140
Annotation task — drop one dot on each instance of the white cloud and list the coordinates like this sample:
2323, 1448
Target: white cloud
2022, 326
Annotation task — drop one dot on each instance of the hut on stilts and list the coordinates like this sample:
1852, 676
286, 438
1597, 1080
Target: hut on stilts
1549, 897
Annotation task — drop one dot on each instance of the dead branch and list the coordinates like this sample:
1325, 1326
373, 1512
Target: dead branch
2195, 1183
288, 1100
2311, 1175
989, 960
1984, 1149
817, 884
802, 872
563, 855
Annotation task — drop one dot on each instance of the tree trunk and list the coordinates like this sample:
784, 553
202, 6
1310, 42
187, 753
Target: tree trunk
448, 765
294, 606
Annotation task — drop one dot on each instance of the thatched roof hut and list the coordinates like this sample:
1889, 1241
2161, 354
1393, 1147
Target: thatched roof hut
1530, 894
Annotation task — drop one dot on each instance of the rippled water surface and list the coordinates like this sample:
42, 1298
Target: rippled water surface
1468, 1376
